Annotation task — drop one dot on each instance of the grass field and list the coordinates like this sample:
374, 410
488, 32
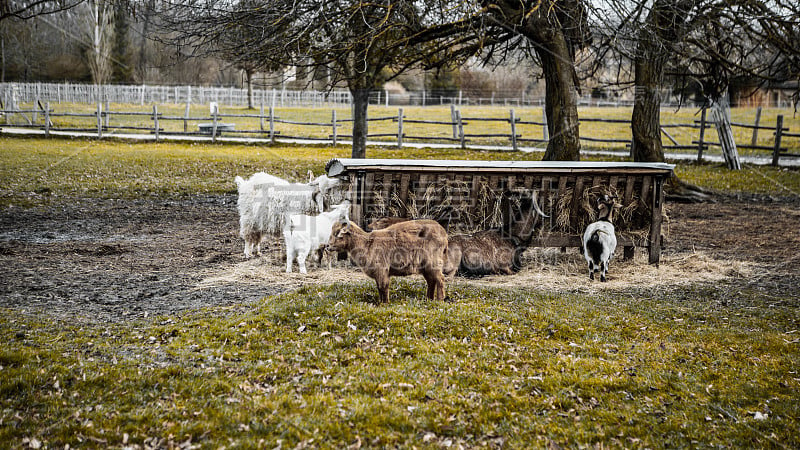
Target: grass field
690, 365
322, 367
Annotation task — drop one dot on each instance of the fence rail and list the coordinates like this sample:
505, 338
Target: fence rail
13, 93
458, 128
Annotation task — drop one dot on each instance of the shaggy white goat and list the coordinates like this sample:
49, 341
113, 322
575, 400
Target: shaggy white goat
304, 233
599, 239
265, 202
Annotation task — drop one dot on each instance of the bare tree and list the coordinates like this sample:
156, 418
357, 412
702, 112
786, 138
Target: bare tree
556, 29
709, 42
99, 31
28, 9
355, 42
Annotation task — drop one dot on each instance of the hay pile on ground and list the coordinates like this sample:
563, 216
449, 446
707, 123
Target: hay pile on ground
543, 269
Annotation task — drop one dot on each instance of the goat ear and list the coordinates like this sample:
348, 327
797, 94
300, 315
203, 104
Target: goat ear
310, 176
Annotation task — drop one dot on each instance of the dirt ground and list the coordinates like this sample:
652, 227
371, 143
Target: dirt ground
115, 260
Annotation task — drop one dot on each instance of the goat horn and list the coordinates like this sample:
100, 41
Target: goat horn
536, 204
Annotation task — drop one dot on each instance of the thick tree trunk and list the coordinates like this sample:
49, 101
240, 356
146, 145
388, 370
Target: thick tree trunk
360, 124
646, 118
561, 101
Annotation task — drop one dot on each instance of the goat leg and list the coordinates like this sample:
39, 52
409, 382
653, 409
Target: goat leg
382, 283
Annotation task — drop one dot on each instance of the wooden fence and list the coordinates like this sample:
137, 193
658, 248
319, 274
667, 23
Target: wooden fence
506, 129
12, 93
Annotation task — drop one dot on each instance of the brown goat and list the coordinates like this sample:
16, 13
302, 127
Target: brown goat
407, 248
484, 253
492, 251
453, 258
385, 222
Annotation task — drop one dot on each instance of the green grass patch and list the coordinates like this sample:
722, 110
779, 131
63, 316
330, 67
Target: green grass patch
497, 367
35, 171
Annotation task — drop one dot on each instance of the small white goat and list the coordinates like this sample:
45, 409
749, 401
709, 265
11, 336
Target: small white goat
265, 202
304, 233
599, 239
325, 188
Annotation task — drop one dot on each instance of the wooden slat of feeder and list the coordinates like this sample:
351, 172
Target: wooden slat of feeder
387, 188
405, 180
475, 191
629, 182
577, 194
528, 183
655, 225
544, 193
612, 183
646, 183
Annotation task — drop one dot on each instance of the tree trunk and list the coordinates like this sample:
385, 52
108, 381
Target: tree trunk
248, 73
141, 64
360, 124
646, 117
561, 101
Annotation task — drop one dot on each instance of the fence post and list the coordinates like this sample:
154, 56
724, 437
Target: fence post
333, 125
272, 123
776, 153
755, 127
99, 119
261, 115
400, 128
461, 129
108, 116
453, 120
47, 119
545, 131
186, 118
700, 144
214, 125
155, 119
513, 120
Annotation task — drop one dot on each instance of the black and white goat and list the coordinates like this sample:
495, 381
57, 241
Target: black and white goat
599, 239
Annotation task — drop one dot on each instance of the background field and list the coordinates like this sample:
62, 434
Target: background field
130, 320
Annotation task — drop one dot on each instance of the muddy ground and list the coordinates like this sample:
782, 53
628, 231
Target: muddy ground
112, 260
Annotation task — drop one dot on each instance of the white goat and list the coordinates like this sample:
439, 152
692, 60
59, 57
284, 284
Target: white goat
264, 202
326, 189
304, 233
599, 239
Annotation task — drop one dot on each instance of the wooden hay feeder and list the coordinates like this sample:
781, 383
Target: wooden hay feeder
475, 195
